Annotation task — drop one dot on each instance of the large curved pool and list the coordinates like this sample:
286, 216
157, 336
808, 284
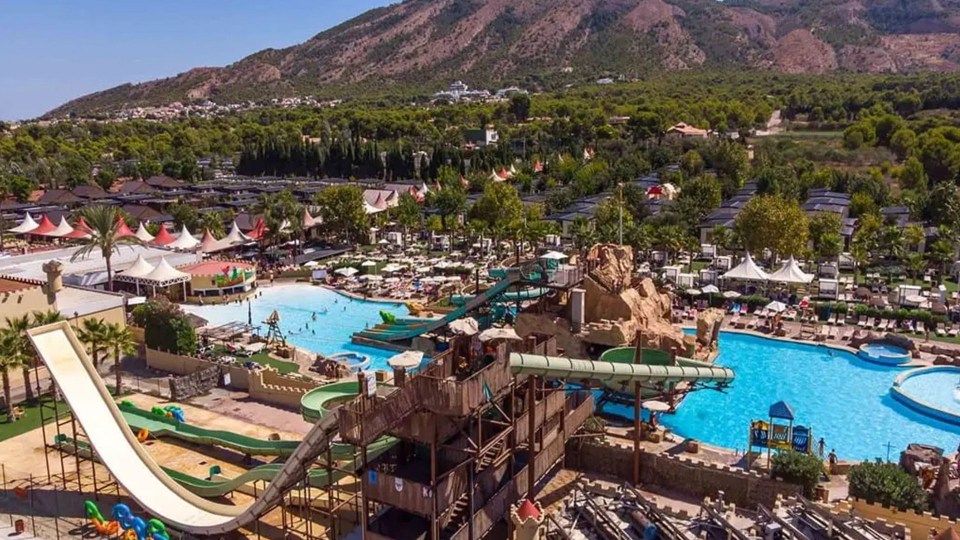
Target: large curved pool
846, 400
328, 334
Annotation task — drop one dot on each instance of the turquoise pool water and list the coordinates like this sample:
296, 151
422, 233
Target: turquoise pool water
846, 400
935, 387
296, 304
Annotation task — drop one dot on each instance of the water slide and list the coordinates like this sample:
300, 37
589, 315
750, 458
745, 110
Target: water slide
130, 464
410, 328
613, 372
159, 426
318, 402
526, 294
176, 505
219, 486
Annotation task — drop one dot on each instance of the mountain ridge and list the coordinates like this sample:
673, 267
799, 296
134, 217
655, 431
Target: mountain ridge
421, 44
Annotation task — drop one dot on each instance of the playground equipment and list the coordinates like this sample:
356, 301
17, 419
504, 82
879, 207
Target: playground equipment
770, 435
137, 529
153, 488
102, 526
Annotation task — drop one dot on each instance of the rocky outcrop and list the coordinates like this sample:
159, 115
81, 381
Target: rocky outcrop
708, 327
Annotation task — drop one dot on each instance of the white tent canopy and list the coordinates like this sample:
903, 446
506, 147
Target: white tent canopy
235, 236
553, 255
346, 271
25, 226
165, 275
143, 234
185, 241
747, 271
63, 228
137, 270
791, 273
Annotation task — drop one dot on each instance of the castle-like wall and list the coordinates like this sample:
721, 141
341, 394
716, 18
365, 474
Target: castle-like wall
679, 473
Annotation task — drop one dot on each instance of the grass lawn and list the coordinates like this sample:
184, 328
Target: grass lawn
29, 421
263, 359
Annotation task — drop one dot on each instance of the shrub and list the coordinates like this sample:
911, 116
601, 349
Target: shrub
166, 327
797, 468
886, 484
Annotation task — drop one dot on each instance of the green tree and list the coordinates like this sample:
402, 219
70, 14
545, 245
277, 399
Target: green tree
185, 215
825, 234
862, 204
282, 215
450, 201
12, 358
940, 158
886, 484
104, 223
520, 107
93, 333
118, 339
166, 327
692, 164
105, 177
698, 198
797, 468
915, 264
344, 211
584, 234
499, 206
722, 237
770, 222
407, 214
903, 142
913, 235
912, 175
213, 222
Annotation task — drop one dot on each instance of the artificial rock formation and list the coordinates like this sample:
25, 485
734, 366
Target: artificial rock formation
708, 327
526, 521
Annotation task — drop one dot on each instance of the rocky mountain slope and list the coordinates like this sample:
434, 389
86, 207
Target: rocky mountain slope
421, 44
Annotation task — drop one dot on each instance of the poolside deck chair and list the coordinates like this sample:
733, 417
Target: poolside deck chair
939, 331
744, 309
822, 333
841, 319
918, 327
952, 331
752, 323
862, 322
735, 309
790, 315
834, 319
735, 319
847, 334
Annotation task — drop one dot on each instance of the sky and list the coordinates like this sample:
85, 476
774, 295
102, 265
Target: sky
52, 51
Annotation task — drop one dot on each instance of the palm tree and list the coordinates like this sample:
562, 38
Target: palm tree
39, 318
104, 222
916, 264
213, 222
11, 358
584, 234
118, 339
93, 334
18, 327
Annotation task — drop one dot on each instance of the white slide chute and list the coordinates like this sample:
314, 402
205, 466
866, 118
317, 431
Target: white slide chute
134, 468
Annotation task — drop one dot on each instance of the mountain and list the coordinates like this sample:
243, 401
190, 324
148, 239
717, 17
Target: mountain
420, 45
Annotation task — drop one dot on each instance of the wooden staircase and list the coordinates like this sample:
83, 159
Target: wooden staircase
460, 510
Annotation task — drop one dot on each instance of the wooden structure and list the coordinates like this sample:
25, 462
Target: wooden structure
475, 439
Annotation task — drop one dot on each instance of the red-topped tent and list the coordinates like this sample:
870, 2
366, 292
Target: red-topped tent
123, 229
80, 230
44, 227
163, 237
259, 228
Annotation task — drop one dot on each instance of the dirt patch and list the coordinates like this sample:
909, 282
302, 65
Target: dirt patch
802, 52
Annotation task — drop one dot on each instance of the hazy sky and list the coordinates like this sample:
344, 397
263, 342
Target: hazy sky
54, 50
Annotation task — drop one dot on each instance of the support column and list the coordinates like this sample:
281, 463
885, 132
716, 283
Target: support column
531, 437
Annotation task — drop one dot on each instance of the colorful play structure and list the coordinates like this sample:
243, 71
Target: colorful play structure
179, 500
133, 527
779, 433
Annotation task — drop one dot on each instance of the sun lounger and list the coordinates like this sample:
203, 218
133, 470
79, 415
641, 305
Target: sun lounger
735, 309
939, 330
752, 323
918, 327
952, 331
744, 309
862, 322
735, 319
841, 319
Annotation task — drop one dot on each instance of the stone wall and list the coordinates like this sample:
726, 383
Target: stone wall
267, 386
195, 384
885, 518
684, 474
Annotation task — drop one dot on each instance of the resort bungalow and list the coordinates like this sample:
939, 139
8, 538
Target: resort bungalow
686, 131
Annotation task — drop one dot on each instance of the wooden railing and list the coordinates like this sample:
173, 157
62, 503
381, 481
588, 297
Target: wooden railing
553, 403
582, 410
412, 496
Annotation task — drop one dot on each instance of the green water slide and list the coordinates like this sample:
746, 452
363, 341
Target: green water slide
209, 487
615, 373
410, 328
514, 296
318, 402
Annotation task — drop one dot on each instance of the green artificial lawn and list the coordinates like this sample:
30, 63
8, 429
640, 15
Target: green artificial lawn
263, 359
29, 421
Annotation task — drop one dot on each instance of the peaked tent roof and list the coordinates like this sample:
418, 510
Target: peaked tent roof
259, 229
164, 275
528, 510
25, 226
185, 241
308, 220
235, 236
80, 230
781, 409
790, 272
123, 229
209, 244
63, 228
747, 271
137, 270
45, 226
163, 238
143, 234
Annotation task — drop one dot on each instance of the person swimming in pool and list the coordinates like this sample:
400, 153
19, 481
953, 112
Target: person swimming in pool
314, 315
